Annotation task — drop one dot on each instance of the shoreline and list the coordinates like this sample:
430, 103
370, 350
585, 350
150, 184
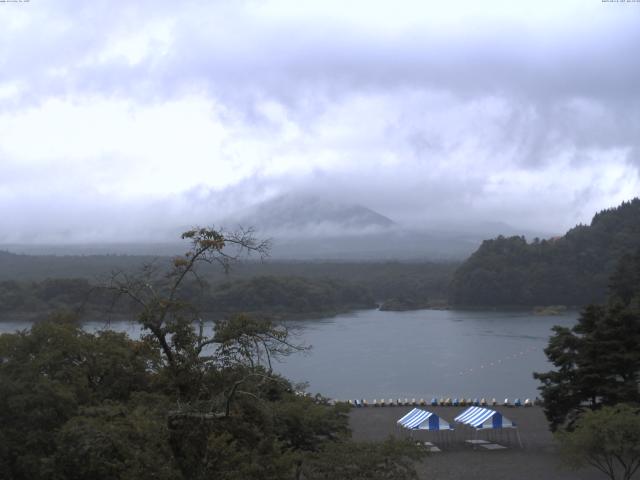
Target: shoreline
34, 316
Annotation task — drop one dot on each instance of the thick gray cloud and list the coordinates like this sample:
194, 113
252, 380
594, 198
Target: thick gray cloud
130, 121
163, 49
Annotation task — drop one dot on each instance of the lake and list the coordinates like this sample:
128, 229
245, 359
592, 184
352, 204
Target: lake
425, 353
422, 354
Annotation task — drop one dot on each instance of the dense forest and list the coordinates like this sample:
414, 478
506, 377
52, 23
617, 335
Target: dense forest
175, 404
76, 405
34, 286
276, 296
571, 270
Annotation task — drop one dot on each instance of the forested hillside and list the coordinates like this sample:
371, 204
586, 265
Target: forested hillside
281, 297
570, 270
38, 285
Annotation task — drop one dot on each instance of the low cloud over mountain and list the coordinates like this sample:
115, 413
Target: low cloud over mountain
303, 215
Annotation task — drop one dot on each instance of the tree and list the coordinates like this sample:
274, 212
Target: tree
176, 404
246, 346
607, 439
235, 418
624, 285
115, 440
597, 362
48, 374
165, 314
392, 459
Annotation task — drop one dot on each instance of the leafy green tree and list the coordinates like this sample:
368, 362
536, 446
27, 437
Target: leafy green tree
48, 373
607, 439
176, 404
165, 315
303, 423
229, 457
597, 362
250, 341
392, 459
114, 440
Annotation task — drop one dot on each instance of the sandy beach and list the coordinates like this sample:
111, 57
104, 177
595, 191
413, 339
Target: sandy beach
536, 460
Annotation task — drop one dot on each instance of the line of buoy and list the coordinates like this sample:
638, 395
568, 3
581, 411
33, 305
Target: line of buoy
442, 402
495, 363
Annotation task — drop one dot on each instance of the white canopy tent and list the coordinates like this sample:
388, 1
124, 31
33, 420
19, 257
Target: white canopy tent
418, 419
485, 419
424, 421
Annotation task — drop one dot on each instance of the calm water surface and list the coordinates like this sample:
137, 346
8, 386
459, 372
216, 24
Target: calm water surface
426, 353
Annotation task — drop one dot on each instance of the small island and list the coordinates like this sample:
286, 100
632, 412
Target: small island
550, 310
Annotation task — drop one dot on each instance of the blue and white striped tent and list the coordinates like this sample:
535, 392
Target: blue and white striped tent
484, 418
418, 419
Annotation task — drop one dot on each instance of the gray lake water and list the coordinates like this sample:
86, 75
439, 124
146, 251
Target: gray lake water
422, 354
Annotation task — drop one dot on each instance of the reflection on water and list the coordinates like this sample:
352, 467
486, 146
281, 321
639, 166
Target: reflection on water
373, 354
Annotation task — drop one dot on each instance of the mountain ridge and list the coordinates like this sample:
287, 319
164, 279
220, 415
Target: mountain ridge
297, 215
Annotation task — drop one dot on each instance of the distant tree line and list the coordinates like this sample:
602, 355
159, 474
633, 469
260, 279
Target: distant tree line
571, 270
288, 290
279, 296
47, 295
288, 294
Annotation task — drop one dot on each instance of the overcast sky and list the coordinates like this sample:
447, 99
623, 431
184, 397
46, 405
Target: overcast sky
118, 119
